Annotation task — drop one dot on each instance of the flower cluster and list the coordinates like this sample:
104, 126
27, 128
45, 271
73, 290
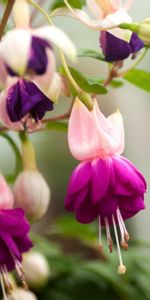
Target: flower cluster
105, 185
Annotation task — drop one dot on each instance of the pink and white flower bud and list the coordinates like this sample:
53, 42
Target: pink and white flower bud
32, 193
6, 196
37, 269
20, 294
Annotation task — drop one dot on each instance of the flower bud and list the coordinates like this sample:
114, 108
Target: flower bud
32, 193
36, 269
20, 294
144, 31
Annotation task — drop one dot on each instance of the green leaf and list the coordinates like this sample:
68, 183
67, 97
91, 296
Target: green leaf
91, 53
139, 78
116, 84
88, 84
74, 3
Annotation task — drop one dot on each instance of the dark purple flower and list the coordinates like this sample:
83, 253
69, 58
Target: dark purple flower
115, 49
38, 59
14, 239
25, 98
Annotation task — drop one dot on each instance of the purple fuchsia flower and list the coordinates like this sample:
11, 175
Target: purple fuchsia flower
115, 49
28, 52
14, 241
105, 185
23, 105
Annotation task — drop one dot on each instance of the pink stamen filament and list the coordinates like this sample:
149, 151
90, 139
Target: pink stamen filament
121, 268
3, 288
109, 239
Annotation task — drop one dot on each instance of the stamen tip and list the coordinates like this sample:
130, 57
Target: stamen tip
121, 269
124, 245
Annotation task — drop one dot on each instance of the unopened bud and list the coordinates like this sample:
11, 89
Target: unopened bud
144, 31
36, 269
20, 294
32, 193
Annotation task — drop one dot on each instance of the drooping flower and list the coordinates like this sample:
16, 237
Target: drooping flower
105, 185
116, 43
23, 105
14, 241
115, 49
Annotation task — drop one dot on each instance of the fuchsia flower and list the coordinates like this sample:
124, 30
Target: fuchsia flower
14, 239
117, 44
105, 185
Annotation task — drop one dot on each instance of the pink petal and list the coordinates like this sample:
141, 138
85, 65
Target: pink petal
95, 9
116, 121
128, 4
116, 4
91, 135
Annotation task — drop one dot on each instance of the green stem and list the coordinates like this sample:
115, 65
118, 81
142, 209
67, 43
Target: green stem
5, 17
135, 64
18, 157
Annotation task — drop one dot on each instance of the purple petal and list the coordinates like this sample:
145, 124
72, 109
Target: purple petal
115, 49
72, 201
80, 177
25, 97
129, 206
85, 211
108, 205
128, 181
100, 179
38, 58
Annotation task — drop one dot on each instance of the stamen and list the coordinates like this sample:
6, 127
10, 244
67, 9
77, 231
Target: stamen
123, 243
20, 271
21, 274
121, 268
109, 239
6, 280
100, 234
126, 234
3, 288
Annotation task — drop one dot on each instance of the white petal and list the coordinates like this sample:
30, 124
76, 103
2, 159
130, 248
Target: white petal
110, 22
59, 38
14, 49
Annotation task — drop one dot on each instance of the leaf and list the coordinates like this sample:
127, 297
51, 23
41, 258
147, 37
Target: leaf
90, 53
139, 78
74, 3
88, 84
116, 84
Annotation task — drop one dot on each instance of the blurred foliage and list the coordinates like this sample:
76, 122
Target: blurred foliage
139, 78
74, 3
76, 277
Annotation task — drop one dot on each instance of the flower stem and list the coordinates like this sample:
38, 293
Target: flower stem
6, 15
